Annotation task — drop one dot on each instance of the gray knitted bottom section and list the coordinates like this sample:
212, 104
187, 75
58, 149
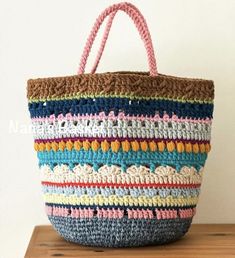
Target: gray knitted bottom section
120, 232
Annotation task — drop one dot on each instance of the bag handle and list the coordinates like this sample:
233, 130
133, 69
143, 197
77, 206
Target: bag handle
103, 42
106, 33
140, 24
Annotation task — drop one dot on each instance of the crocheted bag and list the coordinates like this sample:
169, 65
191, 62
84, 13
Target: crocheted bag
121, 154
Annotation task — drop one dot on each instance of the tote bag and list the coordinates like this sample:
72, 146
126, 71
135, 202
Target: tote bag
121, 154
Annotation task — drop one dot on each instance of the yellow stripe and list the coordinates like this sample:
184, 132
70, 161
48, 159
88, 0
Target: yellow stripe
126, 146
117, 200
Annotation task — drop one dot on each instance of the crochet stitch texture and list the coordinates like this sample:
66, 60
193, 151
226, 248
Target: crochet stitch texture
121, 155
109, 174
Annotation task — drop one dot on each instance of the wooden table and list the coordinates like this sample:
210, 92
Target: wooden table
201, 241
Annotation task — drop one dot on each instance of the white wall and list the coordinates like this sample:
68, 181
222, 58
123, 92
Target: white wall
45, 38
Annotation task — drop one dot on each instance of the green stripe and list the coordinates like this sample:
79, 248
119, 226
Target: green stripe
86, 96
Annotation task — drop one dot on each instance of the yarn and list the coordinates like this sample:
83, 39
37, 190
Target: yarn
139, 86
123, 128
114, 175
106, 156
116, 159
123, 232
121, 155
126, 146
128, 106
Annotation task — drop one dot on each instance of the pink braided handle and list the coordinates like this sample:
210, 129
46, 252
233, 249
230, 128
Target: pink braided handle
141, 25
102, 45
106, 33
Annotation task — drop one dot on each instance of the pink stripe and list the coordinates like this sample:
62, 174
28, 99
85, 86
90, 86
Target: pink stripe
172, 214
188, 213
120, 116
118, 214
166, 214
140, 214
110, 213
64, 212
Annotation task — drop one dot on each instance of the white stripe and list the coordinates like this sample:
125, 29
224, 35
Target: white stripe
121, 128
114, 174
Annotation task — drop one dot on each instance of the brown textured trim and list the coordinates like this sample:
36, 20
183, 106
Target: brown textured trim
121, 83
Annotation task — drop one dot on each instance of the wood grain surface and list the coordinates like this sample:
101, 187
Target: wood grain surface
213, 240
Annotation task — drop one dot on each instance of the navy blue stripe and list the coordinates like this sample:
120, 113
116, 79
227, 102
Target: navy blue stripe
132, 107
120, 206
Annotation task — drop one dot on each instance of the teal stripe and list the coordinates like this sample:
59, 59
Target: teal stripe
123, 159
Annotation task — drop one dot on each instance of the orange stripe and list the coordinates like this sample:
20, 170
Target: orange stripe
125, 146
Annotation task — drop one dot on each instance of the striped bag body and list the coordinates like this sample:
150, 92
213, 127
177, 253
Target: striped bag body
121, 154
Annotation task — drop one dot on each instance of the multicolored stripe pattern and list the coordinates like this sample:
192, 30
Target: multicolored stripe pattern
115, 159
